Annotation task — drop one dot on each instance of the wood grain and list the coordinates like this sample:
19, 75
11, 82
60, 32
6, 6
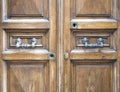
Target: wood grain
118, 52
95, 24
60, 45
66, 32
28, 70
108, 36
93, 56
41, 36
52, 45
33, 8
1, 89
94, 78
42, 25
24, 56
89, 8
86, 69
118, 10
23, 78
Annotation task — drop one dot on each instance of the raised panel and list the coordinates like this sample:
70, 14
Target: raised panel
97, 7
108, 39
26, 37
27, 8
90, 8
20, 82
92, 77
26, 77
93, 24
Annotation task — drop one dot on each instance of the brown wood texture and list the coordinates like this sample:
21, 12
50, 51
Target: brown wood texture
28, 69
119, 49
1, 46
94, 78
60, 62
88, 8
109, 36
41, 36
92, 68
27, 77
95, 24
33, 8
98, 7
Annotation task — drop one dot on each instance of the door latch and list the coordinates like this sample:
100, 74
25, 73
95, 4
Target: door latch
66, 55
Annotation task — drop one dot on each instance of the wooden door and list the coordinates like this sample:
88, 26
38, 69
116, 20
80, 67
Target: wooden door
91, 46
28, 46
59, 45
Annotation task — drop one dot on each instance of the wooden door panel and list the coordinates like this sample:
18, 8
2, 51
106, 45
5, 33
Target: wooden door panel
89, 8
26, 8
28, 68
83, 69
93, 35
26, 36
89, 67
92, 77
93, 24
98, 7
22, 77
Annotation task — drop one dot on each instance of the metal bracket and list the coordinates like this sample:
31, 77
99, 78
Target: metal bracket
20, 44
99, 43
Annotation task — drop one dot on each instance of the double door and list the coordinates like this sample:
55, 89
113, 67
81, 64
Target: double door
59, 46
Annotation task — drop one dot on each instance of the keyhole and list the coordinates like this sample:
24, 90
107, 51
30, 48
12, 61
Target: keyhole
74, 25
51, 56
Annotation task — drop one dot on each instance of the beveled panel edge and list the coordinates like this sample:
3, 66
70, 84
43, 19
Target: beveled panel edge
5, 11
93, 56
94, 24
107, 14
24, 20
40, 25
25, 55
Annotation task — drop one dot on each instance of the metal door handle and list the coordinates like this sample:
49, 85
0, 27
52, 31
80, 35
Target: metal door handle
20, 44
99, 43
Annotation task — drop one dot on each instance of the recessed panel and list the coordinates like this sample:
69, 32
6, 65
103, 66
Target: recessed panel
27, 8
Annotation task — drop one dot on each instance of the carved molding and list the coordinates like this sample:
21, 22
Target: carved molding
41, 40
